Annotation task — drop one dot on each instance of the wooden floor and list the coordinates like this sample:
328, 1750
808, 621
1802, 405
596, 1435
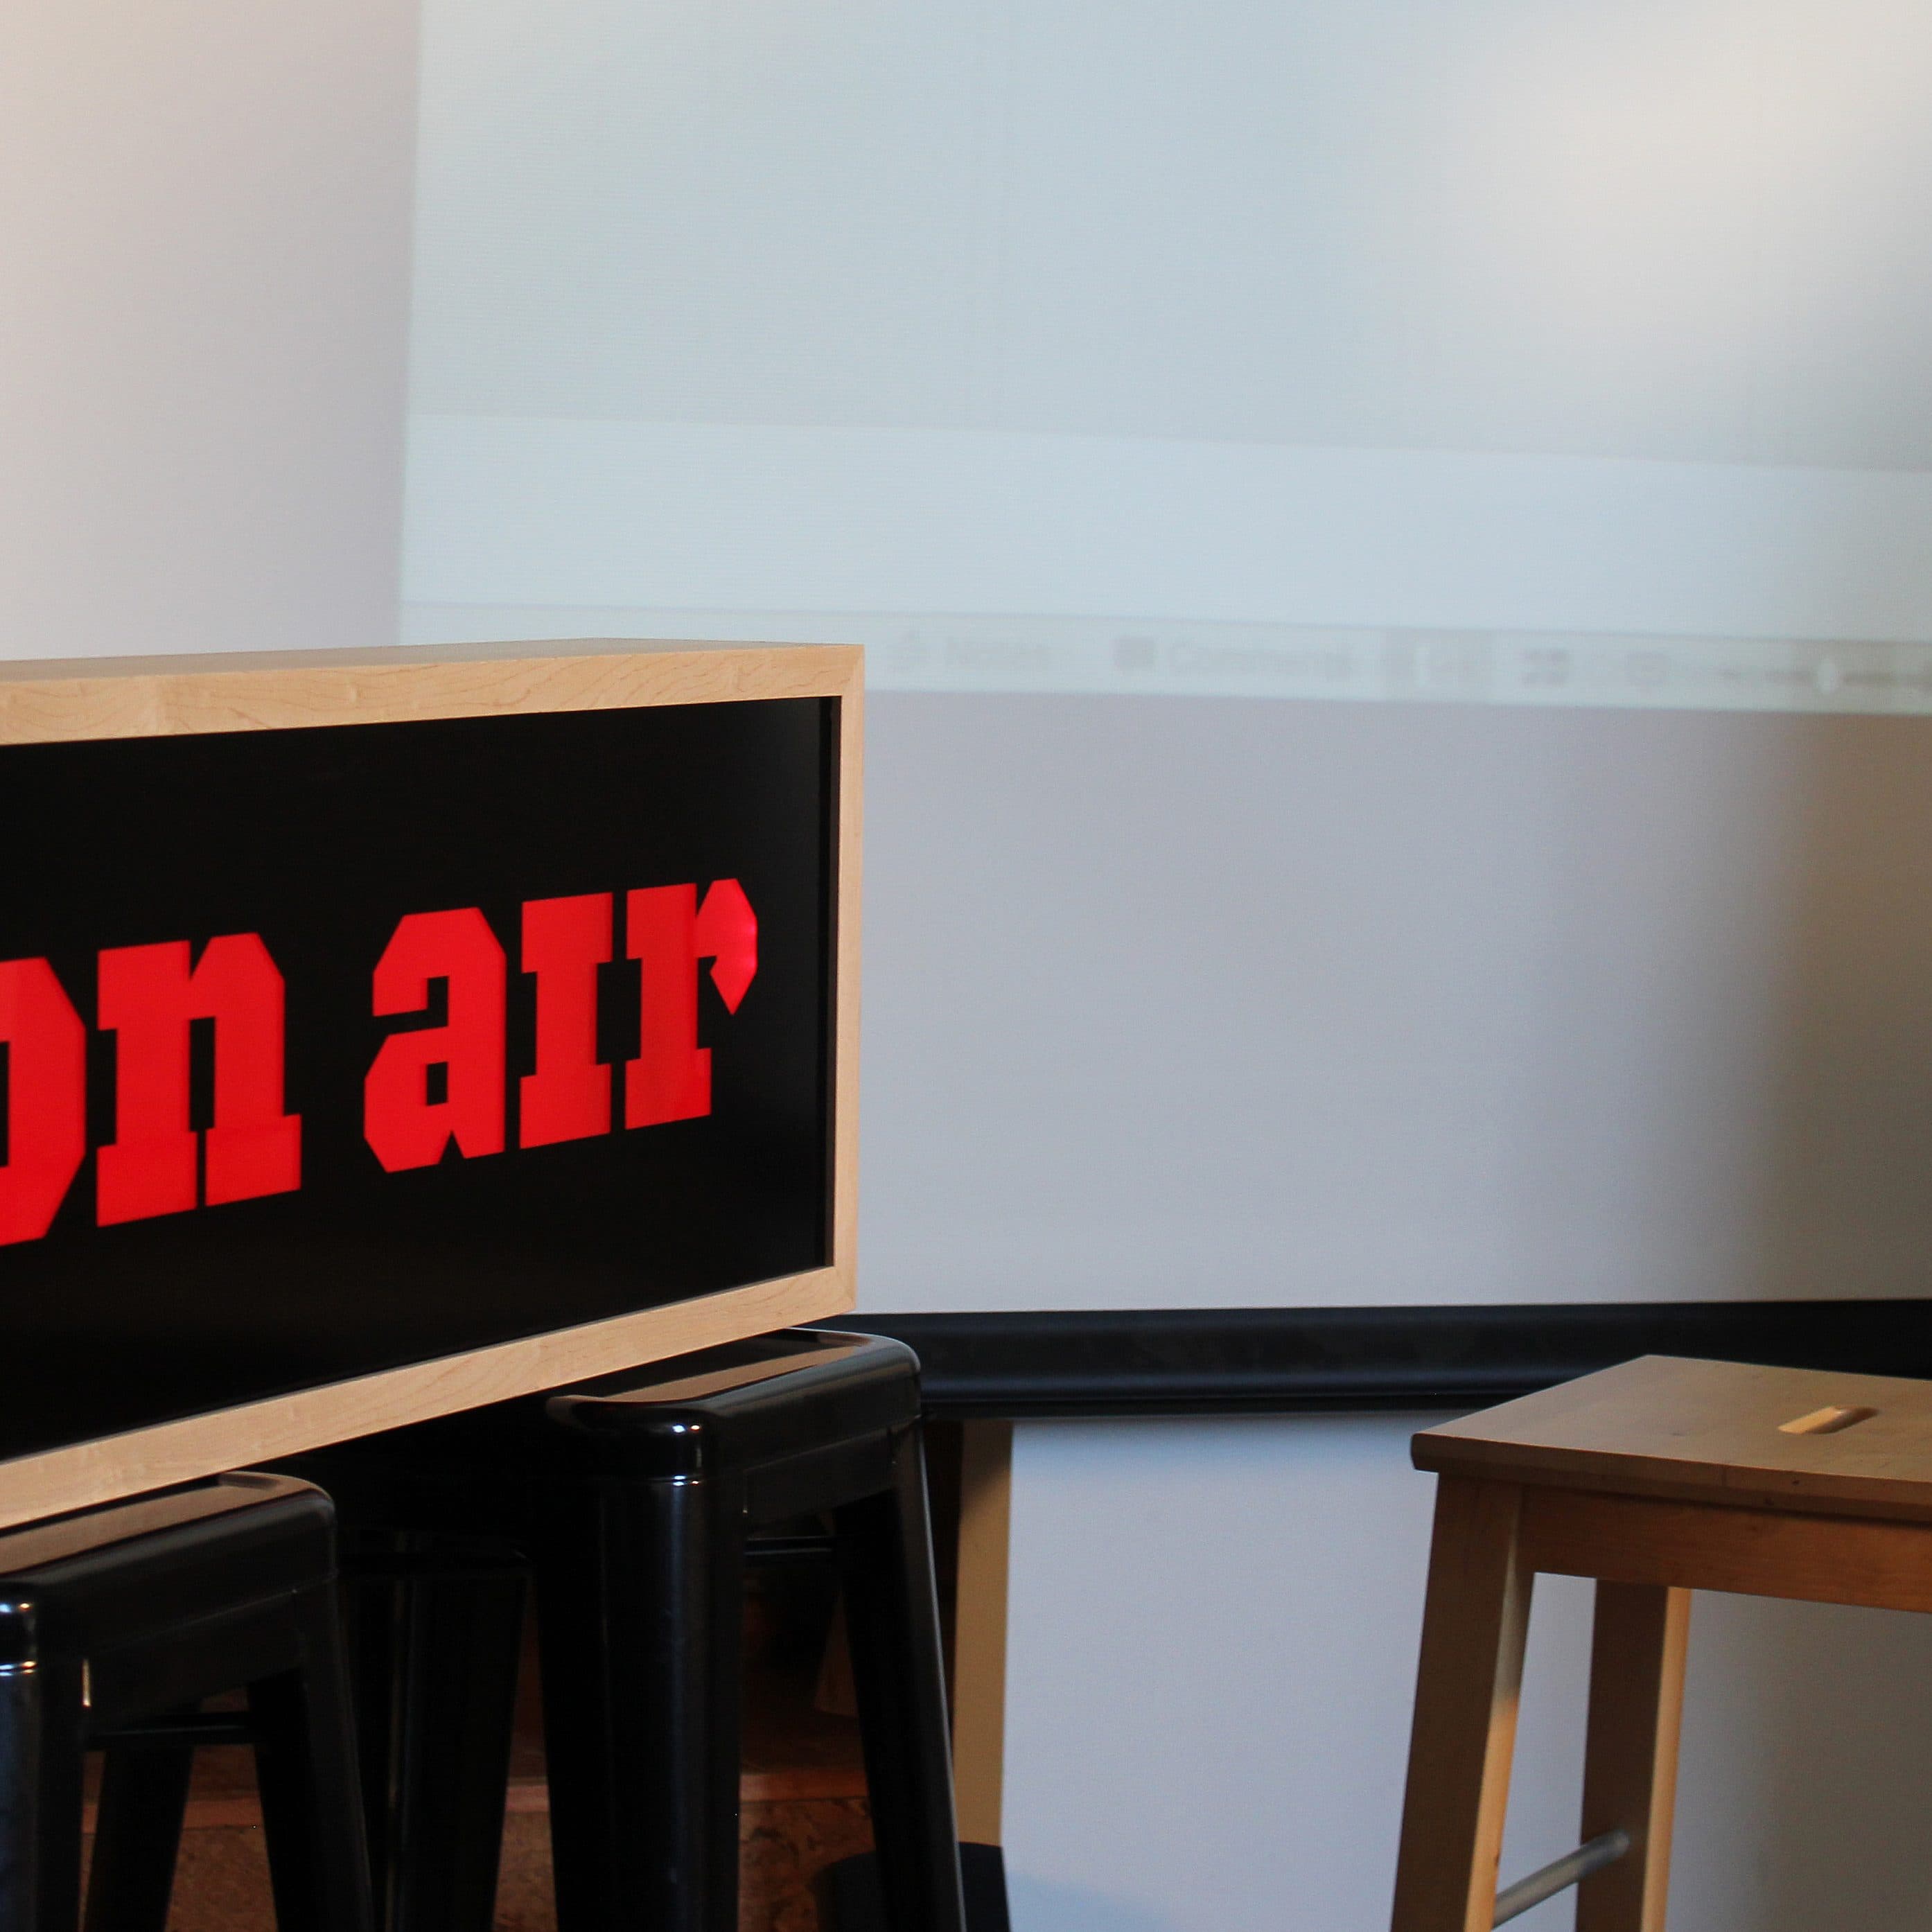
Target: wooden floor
222, 1882
803, 1795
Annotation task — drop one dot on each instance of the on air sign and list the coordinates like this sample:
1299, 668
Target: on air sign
326, 1050
429, 1087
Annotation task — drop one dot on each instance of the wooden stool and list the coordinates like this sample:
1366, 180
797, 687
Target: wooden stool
1657, 1478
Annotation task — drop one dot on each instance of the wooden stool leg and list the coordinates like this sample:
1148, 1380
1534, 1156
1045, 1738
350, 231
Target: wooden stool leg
1475, 1623
1630, 1773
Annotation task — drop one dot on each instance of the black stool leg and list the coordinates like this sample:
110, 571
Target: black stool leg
373, 1625
40, 1788
891, 1618
305, 1766
436, 1675
641, 1591
137, 1837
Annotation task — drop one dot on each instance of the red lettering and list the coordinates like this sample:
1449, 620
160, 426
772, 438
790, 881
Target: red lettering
148, 998
668, 933
47, 1097
727, 936
671, 1078
403, 1126
568, 1098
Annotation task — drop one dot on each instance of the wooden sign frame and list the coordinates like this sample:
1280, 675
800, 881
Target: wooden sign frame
48, 702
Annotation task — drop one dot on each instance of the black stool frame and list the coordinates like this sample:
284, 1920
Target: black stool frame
114, 1625
633, 1499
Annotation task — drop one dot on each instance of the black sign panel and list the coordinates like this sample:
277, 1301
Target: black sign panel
552, 995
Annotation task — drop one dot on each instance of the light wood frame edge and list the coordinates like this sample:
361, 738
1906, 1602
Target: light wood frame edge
152, 697
979, 1630
847, 895
148, 697
78, 1475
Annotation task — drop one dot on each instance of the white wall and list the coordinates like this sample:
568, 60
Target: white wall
204, 216
1213, 1649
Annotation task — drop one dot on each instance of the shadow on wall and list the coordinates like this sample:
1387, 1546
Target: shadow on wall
1038, 1906
1392, 1004
1845, 1181
1727, 1083
1807, 1752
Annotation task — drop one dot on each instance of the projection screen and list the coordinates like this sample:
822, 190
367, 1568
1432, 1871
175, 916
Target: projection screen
1394, 542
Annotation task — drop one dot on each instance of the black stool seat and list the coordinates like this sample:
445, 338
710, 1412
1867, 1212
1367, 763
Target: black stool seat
115, 1625
633, 1499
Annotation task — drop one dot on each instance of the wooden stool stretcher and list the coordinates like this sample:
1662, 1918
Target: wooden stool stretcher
1655, 1479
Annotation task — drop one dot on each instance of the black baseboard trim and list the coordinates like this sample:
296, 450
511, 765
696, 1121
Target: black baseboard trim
1275, 1361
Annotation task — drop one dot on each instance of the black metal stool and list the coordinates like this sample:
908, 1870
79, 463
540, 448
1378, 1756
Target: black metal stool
633, 1498
115, 1625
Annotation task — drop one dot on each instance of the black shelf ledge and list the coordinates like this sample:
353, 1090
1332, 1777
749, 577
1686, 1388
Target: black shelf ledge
1285, 1361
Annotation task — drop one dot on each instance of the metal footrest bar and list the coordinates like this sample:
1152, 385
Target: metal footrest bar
1560, 1873
185, 1730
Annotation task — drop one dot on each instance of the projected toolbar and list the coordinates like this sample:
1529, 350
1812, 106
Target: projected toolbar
1362, 664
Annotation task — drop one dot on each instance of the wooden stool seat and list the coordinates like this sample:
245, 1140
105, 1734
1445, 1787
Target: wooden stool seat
1655, 1478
